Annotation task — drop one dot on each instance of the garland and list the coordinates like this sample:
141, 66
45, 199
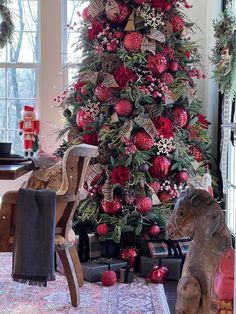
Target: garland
224, 53
6, 26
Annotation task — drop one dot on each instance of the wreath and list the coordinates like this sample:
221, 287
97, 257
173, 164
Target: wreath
6, 25
224, 53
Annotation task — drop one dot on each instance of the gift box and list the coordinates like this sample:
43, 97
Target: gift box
89, 247
174, 266
126, 275
158, 248
93, 270
94, 246
183, 246
109, 249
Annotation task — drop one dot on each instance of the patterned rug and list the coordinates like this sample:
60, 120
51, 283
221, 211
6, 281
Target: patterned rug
136, 298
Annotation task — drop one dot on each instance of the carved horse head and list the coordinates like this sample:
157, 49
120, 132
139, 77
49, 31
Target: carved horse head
190, 206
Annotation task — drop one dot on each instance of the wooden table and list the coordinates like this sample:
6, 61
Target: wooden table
14, 171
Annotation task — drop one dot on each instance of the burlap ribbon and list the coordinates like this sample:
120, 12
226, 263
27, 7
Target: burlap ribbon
112, 9
92, 172
109, 81
157, 35
148, 126
95, 8
127, 129
90, 77
148, 45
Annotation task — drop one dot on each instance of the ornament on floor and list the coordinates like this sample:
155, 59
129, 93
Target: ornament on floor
6, 25
29, 127
158, 274
109, 278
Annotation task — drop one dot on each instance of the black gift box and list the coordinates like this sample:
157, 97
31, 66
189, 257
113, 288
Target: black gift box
174, 266
93, 270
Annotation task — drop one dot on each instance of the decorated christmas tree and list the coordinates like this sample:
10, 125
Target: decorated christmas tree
134, 97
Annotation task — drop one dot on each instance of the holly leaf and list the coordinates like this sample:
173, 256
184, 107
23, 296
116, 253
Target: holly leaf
138, 229
128, 228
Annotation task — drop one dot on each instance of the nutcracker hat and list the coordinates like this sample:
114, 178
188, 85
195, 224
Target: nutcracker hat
28, 109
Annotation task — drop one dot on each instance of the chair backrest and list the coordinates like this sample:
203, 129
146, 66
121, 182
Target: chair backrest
75, 164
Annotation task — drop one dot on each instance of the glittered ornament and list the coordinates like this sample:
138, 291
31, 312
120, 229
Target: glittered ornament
196, 153
84, 120
117, 16
180, 117
102, 93
108, 278
182, 176
155, 186
174, 66
143, 141
158, 274
160, 167
129, 254
165, 146
102, 229
177, 24
157, 63
165, 197
144, 204
167, 78
111, 208
123, 107
133, 41
154, 230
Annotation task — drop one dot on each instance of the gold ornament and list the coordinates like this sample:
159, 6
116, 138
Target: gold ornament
92, 109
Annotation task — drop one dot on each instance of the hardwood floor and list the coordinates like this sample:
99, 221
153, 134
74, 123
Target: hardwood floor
170, 290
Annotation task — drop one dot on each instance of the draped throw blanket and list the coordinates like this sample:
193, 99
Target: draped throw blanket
33, 254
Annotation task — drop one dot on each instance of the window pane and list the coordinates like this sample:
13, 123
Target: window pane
3, 113
17, 142
21, 83
14, 108
2, 83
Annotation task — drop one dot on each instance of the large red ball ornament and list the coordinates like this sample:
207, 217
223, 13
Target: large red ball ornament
154, 230
111, 208
160, 167
109, 278
102, 229
133, 41
102, 93
84, 120
180, 117
174, 66
121, 17
144, 204
123, 107
143, 141
182, 176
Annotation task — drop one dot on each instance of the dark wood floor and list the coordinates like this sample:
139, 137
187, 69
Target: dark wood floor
170, 290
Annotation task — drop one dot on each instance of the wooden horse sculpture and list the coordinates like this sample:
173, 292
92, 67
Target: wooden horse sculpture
206, 285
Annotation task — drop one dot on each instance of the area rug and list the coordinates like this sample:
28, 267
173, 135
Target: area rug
136, 298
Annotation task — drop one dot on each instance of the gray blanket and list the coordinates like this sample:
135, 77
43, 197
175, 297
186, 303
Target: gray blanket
33, 255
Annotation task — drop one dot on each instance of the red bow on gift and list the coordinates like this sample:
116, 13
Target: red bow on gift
158, 274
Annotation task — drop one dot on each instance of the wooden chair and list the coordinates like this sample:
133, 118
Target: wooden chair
75, 164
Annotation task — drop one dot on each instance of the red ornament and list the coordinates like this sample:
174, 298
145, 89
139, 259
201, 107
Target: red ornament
167, 78
85, 13
143, 141
161, 4
155, 185
202, 121
140, 2
165, 197
182, 176
124, 75
196, 152
111, 208
91, 139
144, 204
177, 23
121, 17
129, 254
123, 107
111, 47
109, 278
84, 120
174, 66
157, 63
133, 41
120, 175
160, 167
158, 274
180, 117
154, 230
102, 229
103, 93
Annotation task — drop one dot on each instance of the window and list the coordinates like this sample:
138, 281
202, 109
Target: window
19, 70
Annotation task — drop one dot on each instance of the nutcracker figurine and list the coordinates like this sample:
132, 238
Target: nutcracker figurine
29, 127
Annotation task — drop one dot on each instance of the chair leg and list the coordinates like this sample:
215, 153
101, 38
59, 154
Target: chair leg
77, 265
71, 276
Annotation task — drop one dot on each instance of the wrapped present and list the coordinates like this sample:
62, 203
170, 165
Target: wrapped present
183, 246
126, 275
158, 248
110, 249
94, 246
93, 270
89, 246
174, 266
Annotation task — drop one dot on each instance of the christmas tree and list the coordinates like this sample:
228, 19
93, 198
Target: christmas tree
134, 96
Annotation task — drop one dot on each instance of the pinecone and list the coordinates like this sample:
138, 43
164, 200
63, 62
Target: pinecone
111, 63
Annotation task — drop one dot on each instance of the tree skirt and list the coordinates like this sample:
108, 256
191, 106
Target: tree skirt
136, 298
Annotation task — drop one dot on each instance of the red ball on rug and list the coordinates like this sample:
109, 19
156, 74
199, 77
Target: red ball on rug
109, 278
